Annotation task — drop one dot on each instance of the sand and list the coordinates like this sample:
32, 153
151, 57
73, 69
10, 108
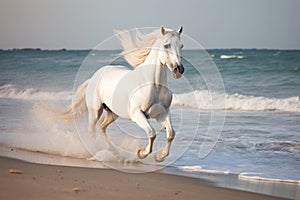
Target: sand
23, 180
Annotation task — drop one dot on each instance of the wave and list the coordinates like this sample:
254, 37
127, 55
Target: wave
11, 92
205, 100
250, 176
256, 177
280, 146
200, 169
231, 56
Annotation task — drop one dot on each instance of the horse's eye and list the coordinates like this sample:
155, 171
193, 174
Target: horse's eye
166, 46
181, 46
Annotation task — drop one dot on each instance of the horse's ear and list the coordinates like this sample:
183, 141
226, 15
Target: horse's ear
163, 30
180, 30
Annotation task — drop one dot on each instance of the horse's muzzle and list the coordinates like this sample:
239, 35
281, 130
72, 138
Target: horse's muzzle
178, 71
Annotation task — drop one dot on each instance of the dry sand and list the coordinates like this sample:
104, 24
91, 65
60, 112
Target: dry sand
22, 180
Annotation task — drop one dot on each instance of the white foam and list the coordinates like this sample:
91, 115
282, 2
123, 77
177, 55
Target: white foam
205, 100
244, 175
44, 134
54, 142
197, 99
11, 92
200, 169
254, 177
231, 56
49, 159
251, 103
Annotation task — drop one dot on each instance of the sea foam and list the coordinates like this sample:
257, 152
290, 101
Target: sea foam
12, 92
258, 177
198, 99
205, 100
231, 56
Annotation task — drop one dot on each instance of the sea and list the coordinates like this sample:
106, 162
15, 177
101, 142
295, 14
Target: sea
236, 114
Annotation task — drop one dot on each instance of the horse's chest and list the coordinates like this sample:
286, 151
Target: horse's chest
156, 97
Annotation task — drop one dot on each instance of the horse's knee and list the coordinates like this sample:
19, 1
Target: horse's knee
151, 133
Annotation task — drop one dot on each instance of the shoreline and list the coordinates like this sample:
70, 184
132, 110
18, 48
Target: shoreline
40, 181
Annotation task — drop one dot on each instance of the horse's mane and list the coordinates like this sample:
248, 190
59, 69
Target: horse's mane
136, 50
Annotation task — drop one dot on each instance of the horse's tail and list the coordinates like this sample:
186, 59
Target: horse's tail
78, 105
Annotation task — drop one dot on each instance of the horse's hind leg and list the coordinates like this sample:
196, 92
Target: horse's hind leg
94, 115
106, 120
103, 123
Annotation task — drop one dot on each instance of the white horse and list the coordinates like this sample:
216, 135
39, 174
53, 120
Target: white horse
137, 94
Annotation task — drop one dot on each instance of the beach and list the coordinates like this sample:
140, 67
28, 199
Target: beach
24, 180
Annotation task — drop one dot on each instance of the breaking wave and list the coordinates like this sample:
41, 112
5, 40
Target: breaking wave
250, 176
231, 56
258, 177
11, 92
203, 100
206, 100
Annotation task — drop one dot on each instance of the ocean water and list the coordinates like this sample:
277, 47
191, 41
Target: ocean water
259, 138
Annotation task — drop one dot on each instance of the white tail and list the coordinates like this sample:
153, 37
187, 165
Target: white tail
78, 105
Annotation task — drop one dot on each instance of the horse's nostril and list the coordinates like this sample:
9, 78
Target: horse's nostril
178, 69
181, 68
175, 70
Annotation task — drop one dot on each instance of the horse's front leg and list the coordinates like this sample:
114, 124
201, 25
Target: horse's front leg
164, 120
140, 118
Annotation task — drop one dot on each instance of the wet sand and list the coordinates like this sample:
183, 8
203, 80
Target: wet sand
23, 180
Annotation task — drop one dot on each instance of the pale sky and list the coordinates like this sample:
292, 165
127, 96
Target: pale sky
82, 24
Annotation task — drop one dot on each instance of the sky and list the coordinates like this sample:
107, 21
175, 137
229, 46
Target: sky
83, 24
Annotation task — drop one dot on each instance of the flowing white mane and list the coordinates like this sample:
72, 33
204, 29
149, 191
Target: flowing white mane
136, 50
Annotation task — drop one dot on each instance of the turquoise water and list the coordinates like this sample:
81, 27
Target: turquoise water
260, 137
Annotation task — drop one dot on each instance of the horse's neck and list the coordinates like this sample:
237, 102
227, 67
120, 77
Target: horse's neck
155, 69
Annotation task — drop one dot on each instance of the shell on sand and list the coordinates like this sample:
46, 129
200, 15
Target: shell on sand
76, 189
15, 171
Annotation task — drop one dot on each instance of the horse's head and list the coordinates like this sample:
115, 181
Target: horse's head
170, 51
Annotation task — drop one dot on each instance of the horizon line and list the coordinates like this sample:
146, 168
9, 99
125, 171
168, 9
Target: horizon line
89, 49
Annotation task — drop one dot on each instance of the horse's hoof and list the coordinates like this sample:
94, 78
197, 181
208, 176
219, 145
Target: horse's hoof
159, 157
142, 154
161, 154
